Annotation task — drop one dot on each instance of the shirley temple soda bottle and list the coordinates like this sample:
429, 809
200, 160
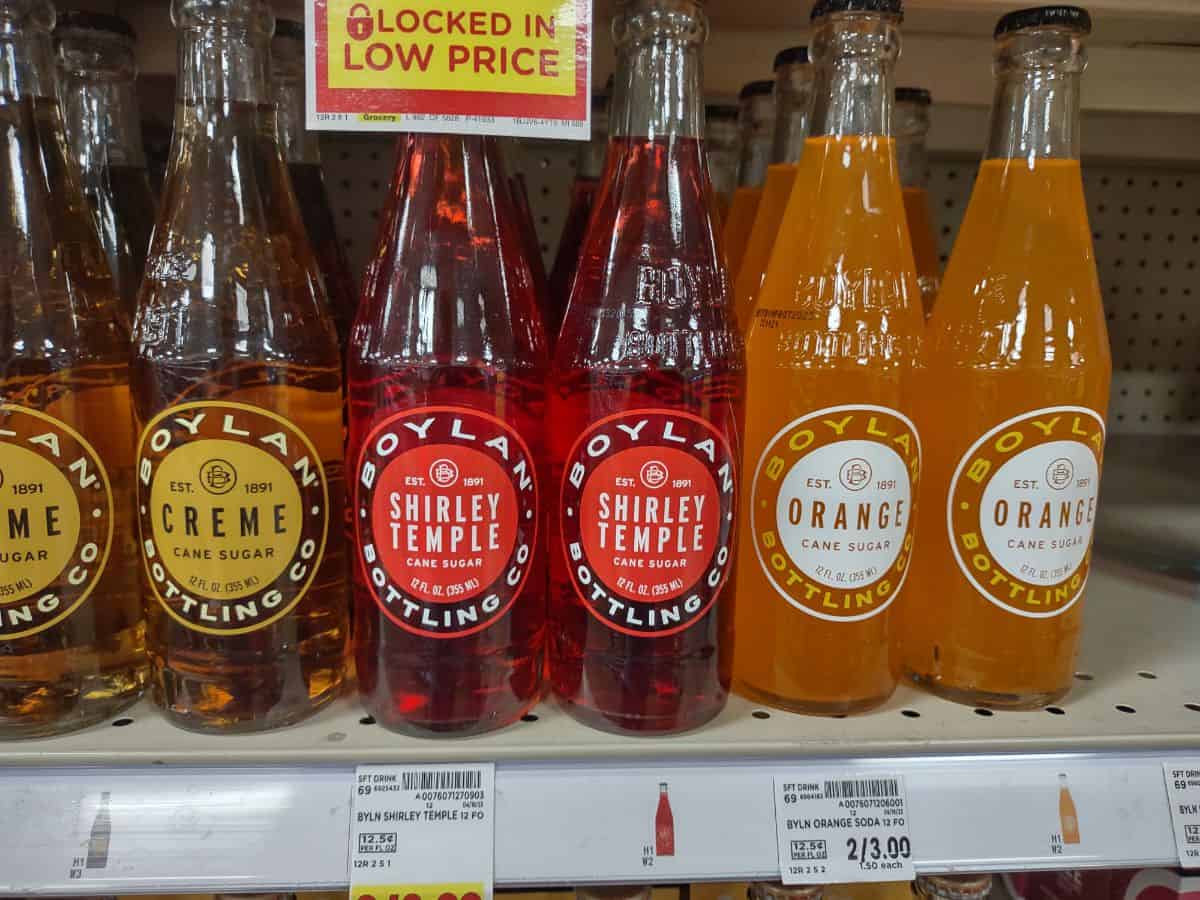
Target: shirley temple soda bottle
448, 366
646, 406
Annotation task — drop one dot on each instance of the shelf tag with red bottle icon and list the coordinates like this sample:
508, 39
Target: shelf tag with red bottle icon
837, 829
423, 832
520, 68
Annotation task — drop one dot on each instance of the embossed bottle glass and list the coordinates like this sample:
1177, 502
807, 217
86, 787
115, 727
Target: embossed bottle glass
97, 86
237, 397
646, 406
71, 636
448, 367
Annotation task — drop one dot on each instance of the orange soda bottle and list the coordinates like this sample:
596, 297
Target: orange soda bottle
757, 119
910, 124
793, 116
832, 457
1016, 391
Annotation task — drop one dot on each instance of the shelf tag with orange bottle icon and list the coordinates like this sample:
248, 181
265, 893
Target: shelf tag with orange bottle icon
423, 832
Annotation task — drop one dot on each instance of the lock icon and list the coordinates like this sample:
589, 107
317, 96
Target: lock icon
359, 24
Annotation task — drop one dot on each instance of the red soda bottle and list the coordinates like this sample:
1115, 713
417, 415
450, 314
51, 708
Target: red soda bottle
646, 405
664, 824
448, 366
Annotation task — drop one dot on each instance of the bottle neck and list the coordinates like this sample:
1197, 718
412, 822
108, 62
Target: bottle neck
659, 44
911, 130
100, 105
26, 56
222, 63
287, 93
854, 54
1035, 114
793, 116
758, 135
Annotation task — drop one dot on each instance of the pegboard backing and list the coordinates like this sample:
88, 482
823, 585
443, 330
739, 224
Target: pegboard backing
1145, 221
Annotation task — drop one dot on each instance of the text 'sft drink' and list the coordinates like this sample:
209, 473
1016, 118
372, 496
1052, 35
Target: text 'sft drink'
646, 406
448, 368
832, 455
1016, 390
237, 395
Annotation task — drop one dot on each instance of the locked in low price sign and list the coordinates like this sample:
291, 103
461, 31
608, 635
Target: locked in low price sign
498, 67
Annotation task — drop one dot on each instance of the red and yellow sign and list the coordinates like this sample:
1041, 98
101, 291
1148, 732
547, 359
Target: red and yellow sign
464, 891
467, 66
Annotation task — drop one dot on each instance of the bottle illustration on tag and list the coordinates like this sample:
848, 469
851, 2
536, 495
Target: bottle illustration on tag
98, 839
664, 824
1067, 813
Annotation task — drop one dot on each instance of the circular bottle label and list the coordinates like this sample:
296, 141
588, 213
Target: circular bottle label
447, 519
56, 519
647, 510
832, 510
233, 508
1022, 507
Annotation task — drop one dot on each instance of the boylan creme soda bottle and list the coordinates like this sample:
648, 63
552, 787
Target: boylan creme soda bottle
646, 407
448, 369
238, 402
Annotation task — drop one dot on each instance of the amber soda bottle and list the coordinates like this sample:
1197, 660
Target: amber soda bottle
302, 151
911, 126
97, 85
1017, 391
646, 407
756, 119
238, 402
71, 635
832, 455
448, 370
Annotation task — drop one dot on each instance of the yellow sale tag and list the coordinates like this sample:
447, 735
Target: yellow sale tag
464, 891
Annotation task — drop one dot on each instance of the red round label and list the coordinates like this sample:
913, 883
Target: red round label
647, 513
446, 520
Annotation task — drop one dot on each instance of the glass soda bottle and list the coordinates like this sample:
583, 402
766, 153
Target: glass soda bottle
97, 86
953, 887
722, 143
911, 124
1016, 390
71, 634
773, 890
448, 371
646, 406
832, 455
589, 169
793, 116
238, 402
302, 151
756, 118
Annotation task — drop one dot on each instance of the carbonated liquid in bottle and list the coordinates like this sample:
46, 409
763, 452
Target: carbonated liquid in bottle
911, 126
71, 634
832, 455
756, 118
97, 87
448, 371
237, 397
302, 151
793, 116
1017, 389
646, 406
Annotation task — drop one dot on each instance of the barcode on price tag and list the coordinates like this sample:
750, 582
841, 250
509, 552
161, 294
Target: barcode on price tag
1183, 792
833, 829
423, 832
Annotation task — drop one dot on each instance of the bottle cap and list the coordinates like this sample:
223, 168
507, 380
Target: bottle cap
825, 7
757, 89
82, 20
791, 56
955, 887
913, 95
1074, 18
717, 112
289, 28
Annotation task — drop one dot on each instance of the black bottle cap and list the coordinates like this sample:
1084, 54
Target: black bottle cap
289, 28
790, 56
720, 112
757, 89
1073, 17
913, 95
93, 21
825, 7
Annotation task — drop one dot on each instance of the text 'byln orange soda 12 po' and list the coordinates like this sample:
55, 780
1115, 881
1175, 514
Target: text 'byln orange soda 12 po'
832, 458
1016, 392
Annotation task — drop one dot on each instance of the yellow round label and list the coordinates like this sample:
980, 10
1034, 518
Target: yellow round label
233, 507
56, 521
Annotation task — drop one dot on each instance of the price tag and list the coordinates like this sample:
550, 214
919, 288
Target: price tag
500, 67
1183, 792
836, 830
423, 832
